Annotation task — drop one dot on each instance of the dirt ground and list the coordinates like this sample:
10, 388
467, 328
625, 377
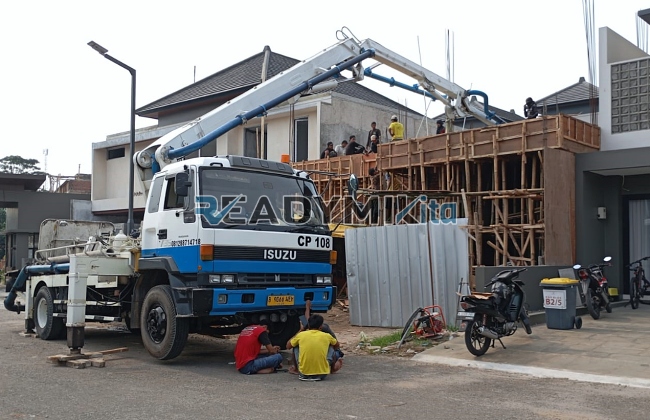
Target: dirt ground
350, 337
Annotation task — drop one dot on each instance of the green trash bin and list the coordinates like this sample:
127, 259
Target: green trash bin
560, 303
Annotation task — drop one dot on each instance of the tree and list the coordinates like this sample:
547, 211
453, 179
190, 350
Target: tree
19, 165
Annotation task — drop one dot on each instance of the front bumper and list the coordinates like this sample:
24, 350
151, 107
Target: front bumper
223, 302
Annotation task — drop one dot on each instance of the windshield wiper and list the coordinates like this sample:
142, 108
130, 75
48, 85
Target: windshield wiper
306, 227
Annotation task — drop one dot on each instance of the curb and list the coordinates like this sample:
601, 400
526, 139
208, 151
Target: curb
536, 371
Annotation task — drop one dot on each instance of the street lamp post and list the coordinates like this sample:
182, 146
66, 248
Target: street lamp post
103, 51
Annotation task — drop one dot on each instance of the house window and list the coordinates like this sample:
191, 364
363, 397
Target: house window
32, 245
301, 151
250, 142
630, 96
115, 153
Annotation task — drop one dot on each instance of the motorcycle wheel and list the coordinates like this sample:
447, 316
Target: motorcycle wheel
475, 342
593, 304
634, 294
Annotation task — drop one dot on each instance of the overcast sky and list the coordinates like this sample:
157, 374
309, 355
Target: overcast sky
59, 94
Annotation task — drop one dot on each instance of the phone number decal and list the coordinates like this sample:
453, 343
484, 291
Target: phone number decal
186, 242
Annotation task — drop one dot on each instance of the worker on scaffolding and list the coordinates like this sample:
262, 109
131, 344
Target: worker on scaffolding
396, 129
440, 129
530, 109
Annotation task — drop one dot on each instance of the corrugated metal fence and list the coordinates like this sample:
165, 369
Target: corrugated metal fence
393, 270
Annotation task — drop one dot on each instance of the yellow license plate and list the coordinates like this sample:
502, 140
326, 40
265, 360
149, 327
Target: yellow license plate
280, 300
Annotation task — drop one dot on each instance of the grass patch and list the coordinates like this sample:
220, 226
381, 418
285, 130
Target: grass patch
452, 328
386, 340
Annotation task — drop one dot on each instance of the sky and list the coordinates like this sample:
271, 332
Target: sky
59, 94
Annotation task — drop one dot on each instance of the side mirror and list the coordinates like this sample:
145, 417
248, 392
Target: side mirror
577, 267
353, 186
607, 259
182, 184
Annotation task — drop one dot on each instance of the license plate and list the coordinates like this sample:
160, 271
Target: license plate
466, 315
281, 300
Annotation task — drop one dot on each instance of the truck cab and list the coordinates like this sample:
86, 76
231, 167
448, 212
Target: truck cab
232, 240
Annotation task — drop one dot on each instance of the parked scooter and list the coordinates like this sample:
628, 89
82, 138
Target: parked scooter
494, 315
594, 290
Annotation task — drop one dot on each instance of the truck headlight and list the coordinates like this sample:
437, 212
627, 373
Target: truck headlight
323, 279
228, 278
214, 278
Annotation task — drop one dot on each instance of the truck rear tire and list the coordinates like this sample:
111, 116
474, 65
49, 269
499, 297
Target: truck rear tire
48, 327
164, 335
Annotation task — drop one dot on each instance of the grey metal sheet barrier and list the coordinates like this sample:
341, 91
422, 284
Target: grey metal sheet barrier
389, 270
450, 262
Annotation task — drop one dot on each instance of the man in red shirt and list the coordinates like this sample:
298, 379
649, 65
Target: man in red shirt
249, 356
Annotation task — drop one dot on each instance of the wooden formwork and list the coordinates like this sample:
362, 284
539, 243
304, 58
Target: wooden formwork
513, 182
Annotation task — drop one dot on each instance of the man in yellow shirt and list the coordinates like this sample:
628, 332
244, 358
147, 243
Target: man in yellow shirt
315, 351
396, 129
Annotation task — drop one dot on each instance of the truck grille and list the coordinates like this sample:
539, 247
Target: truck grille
274, 279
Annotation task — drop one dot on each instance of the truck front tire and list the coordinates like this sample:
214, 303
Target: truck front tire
48, 327
164, 335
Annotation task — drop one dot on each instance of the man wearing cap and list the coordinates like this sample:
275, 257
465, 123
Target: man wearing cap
372, 147
396, 129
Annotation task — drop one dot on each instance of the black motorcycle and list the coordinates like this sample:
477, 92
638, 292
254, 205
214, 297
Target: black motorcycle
594, 290
494, 315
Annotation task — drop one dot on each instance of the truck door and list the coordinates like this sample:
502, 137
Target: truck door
175, 233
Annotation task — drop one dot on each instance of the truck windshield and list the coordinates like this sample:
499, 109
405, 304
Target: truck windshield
230, 198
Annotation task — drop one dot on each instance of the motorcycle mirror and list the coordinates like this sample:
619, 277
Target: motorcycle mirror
607, 259
577, 267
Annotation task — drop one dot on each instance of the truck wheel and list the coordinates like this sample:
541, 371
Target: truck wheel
48, 327
285, 332
163, 333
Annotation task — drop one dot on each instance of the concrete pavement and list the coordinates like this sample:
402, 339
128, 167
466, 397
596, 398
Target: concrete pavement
614, 349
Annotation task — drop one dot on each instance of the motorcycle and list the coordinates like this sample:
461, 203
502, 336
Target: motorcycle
494, 315
594, 290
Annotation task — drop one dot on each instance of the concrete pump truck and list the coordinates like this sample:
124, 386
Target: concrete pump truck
224, 242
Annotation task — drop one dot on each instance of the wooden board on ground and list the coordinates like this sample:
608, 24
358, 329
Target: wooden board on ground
83, 360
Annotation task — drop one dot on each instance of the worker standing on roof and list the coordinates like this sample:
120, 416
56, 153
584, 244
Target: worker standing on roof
374, 131
530, 109
396, 129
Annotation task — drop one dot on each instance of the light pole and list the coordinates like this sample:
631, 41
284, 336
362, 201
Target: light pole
103, 51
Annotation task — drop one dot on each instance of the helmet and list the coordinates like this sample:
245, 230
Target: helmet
440, 122
394, 117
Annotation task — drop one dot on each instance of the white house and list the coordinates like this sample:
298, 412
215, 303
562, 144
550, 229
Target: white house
301, 130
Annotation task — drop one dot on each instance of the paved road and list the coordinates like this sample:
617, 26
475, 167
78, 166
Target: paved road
201, 384
614, 349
